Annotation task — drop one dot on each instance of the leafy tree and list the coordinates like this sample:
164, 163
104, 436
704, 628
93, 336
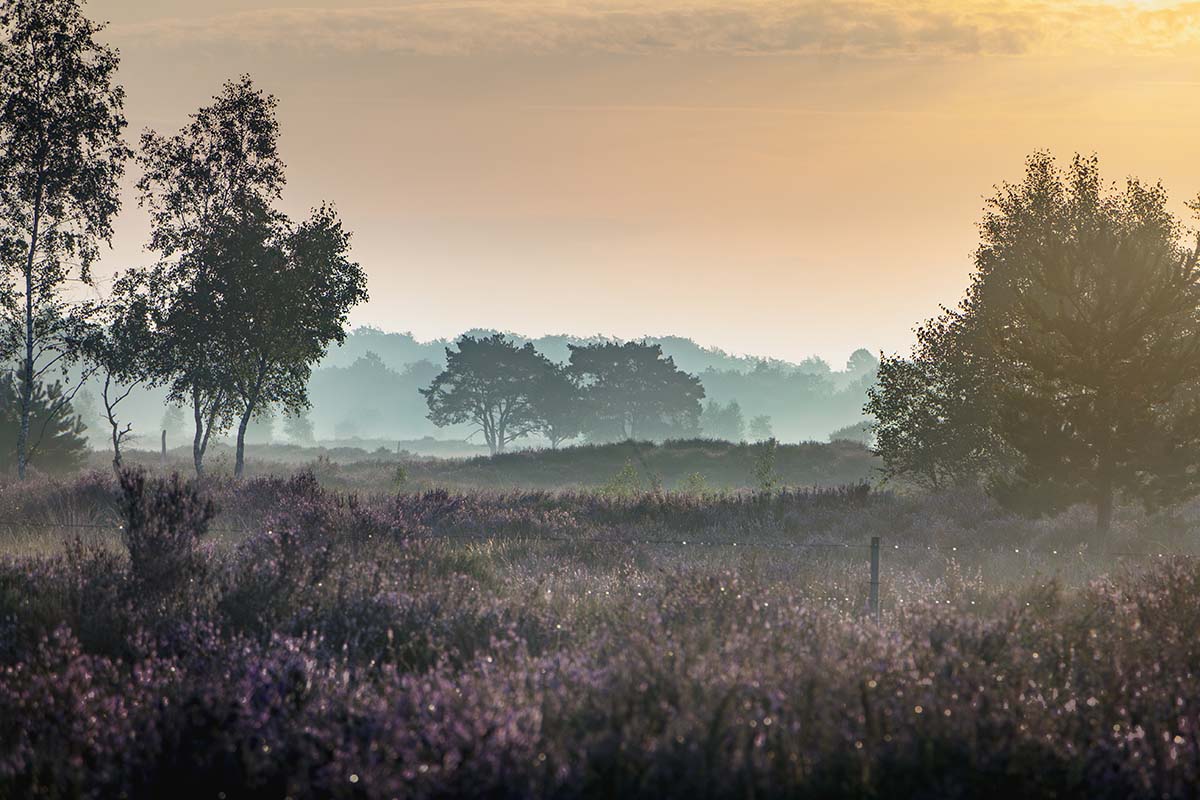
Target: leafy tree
492, 384
862, 362
934, 412
558, 404
813, 365
298, 427
210, 191
185, 313
287, 310
224, 162
761, 428
1074, 360
248, 301
57, 443
633, 391
765, 476
723, 422
1087, 297
61, 160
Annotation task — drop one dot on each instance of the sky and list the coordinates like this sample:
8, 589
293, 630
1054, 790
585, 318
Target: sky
774, 178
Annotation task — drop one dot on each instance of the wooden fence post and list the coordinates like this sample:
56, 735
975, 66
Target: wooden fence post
875, 577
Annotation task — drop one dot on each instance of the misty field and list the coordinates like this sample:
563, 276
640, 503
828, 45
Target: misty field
305, 643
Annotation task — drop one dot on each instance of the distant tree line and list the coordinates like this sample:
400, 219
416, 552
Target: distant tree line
606, 392
798, 402
398, 349
1070, 372
241, 301
359, 393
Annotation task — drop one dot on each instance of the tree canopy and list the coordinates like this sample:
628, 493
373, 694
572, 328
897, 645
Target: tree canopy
1070, 371
57, 444
210, 191
285, 309
559, 406
248, 301
61, 161
632, 391
492, 384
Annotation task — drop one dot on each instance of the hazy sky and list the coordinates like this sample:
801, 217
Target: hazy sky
776, 178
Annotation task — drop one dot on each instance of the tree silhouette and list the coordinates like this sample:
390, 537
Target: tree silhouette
285, 311
492, 384
862, 362
558, 404
934, 412
247, 300
724, 421
210, 191
56, 434
1076, 349
632, 390
1085, 294
61, 158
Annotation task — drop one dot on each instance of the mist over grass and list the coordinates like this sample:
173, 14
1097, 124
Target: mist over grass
570, 644
699, 465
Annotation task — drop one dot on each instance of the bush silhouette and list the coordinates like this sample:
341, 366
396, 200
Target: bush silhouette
164, 521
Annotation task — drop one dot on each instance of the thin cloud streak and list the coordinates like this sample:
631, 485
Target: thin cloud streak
918, 28
971, 113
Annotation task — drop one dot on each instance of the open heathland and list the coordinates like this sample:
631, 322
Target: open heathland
694, 463
273, 638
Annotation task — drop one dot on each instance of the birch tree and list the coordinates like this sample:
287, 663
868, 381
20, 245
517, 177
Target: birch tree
61, 158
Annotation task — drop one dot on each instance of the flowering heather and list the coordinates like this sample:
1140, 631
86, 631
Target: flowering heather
315, 644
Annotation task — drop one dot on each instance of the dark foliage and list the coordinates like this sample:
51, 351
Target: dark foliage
494, 386
61, 163
1069, 373
56, 441
633, 391
164, 521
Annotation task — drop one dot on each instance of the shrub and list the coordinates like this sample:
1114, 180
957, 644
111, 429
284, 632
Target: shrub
765, 477
164, 521
625, 483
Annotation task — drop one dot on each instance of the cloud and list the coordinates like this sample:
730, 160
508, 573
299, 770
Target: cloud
735, 27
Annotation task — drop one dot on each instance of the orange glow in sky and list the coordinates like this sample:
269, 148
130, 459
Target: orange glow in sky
775, 178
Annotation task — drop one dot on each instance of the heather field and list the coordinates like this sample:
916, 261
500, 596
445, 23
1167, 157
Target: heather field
278, 639
580, 402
